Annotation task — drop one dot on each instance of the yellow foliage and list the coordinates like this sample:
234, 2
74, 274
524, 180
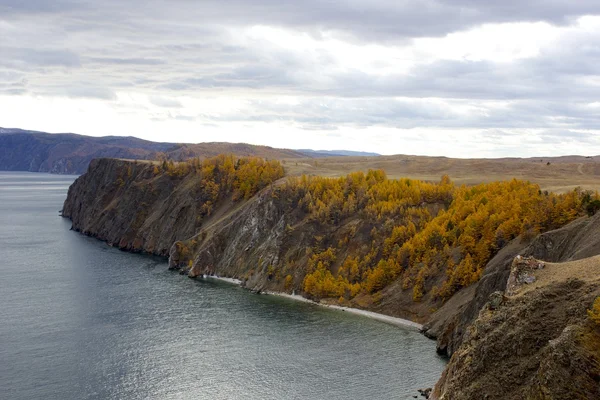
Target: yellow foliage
594, 313
482, 219
288, 282
416, 228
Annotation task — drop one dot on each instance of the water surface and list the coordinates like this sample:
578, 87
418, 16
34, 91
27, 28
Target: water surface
82, 320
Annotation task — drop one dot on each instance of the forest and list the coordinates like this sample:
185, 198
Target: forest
432, 238
421, 230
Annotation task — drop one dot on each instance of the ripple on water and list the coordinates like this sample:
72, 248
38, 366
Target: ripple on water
82, 320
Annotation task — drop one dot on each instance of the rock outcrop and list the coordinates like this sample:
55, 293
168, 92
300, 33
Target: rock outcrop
264, 240
124, 204
577, 240
535, 344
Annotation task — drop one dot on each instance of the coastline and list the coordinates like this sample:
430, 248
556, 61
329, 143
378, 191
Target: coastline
369, 314
232, 281
401, 322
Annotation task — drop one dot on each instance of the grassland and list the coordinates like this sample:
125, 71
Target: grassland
557, 174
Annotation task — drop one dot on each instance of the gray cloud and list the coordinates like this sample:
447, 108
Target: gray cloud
381, 19
30, 57
127, 61
184, 47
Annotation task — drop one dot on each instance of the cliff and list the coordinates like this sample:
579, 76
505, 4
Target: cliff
264, 239
577, 240
503, 345
126, 205
533, 341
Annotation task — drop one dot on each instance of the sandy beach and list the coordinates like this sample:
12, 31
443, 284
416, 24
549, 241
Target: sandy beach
369, 314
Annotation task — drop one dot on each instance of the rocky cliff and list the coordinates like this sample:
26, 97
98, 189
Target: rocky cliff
533, 341
262, 240
126, 205
575, 241
520, 344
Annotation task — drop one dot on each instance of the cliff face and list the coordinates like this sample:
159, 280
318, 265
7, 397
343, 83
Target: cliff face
533, 342
124, 204
575, 241
261, 240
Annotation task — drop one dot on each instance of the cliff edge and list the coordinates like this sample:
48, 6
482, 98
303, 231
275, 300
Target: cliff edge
533, 341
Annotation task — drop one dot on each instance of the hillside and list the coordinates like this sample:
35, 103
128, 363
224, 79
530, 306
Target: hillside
363, 240
556, 174
577, 240
532, 341
68, 153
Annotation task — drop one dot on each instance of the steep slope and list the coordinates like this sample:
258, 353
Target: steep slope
124, 204
146, 206
260, 240
577, 240
266, 239
534, 342
399, 247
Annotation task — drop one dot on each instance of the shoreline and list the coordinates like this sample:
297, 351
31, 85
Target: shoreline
405, 323
401, 322
232, 281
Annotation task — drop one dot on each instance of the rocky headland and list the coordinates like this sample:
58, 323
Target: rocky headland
521, 330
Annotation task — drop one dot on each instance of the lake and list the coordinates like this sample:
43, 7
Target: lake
82, 320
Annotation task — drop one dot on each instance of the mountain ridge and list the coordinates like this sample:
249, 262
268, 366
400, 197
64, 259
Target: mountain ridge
69, 153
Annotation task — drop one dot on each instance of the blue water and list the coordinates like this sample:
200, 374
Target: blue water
82, 320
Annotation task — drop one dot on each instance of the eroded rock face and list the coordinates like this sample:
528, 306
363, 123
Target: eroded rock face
536, 346
577, 240
522, 272
124, 204
265, 241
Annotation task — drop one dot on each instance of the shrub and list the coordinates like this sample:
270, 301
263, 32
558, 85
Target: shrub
594, 313
593, 207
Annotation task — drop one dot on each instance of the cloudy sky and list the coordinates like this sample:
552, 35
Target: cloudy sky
464, 78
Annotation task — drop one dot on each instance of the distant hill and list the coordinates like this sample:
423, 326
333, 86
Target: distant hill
67, 153
557, 174
211, 149
335, 153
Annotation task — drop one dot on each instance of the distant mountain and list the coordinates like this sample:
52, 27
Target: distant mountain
67, 153
211, 149
335, 153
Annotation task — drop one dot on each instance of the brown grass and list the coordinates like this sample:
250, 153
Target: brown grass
587, 270
563, 173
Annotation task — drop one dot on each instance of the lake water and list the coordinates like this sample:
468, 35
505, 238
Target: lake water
82, 320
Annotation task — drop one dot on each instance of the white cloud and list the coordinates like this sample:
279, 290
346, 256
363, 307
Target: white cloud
435, 77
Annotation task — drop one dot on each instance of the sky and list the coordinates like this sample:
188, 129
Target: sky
460, 78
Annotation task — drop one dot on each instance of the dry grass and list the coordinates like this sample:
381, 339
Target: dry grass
561, 175
587, 269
